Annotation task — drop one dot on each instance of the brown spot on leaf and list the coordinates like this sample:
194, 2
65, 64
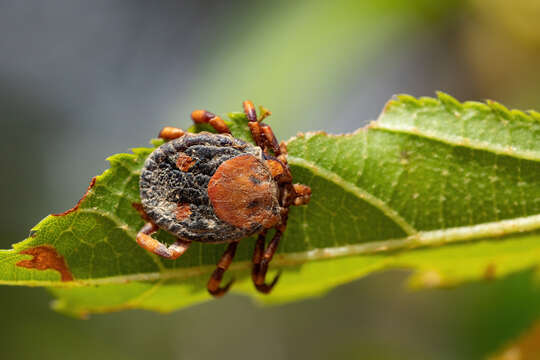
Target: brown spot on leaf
140, 210
182, 212
404, 155
489, 272
92, 183
184, 162
45, 257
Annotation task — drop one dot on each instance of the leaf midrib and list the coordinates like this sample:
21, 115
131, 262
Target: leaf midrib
521, 225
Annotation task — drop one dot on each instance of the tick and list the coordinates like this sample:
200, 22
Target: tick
215, 188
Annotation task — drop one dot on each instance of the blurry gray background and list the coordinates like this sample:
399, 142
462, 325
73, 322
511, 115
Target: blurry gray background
82, 80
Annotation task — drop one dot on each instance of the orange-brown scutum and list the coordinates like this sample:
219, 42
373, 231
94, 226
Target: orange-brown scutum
244, 194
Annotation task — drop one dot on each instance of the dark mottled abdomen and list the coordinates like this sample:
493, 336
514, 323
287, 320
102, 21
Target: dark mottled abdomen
174, 186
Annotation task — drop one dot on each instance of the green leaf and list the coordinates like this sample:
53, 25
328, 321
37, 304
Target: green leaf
429, 172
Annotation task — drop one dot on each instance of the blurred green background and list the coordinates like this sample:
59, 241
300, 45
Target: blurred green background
81, 80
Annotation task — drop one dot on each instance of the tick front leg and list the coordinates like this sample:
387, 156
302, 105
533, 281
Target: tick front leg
146, 241
270, 139
217, 275
261, 260
254, 126
206, 117
170, 133
262, 133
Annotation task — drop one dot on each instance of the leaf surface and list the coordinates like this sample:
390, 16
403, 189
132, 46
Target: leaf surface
450, 190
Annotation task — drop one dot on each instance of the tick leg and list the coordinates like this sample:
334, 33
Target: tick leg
261, 259
170, 133
270, 139
280, 172
283, 148
254, 126
257, 135
257, 256
249, 110
303, 194
217, 275
146, 241
262, 133
206, 117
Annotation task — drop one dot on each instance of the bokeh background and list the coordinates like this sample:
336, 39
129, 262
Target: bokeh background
81, 80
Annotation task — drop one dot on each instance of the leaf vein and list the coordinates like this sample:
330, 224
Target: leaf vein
458, 141
124, 227
357, 191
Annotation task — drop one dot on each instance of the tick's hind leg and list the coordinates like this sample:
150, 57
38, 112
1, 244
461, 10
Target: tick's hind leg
146, 241
217, 275
206, 117
261, 260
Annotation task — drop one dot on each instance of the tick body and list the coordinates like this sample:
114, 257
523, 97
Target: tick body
215, 188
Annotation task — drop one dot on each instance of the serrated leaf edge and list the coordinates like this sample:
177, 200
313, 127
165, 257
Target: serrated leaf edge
449, 101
